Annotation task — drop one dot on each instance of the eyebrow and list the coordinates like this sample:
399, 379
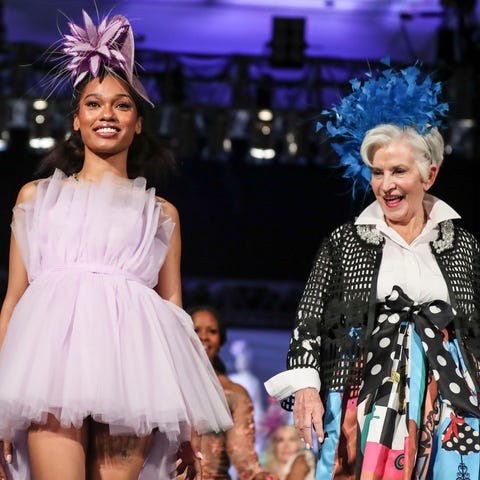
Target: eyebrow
118, 95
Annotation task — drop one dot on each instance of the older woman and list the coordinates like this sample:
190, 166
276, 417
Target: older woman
386, 327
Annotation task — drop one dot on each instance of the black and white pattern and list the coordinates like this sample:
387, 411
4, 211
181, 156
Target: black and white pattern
428, 319
341, 292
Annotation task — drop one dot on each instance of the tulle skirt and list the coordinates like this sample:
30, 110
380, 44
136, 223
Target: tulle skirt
83, 344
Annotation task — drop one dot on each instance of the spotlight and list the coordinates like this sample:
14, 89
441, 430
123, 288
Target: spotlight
265, 115
262, 143
42, 143
40, 104
41, 138
262, 153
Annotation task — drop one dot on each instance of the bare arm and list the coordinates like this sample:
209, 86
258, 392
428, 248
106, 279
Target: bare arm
17, 274
241, 437
17, 284
169, 284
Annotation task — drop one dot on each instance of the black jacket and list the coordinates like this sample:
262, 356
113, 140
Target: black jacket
337, 311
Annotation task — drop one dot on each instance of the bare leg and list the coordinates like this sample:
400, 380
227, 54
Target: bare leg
57, 453
115, 457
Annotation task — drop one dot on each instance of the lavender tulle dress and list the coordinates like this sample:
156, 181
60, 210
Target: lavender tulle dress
90, 336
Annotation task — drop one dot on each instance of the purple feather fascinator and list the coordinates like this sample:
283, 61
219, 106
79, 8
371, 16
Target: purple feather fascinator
92, 49
405, 98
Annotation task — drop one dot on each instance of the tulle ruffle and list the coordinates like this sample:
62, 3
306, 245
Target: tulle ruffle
90, 337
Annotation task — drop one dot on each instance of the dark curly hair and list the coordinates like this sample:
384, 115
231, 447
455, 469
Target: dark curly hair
147, 155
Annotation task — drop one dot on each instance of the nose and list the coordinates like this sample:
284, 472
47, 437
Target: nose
388, 183
108, 112
202, 336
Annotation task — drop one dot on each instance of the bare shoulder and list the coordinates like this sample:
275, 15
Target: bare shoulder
168, 208
27, 192
234, 387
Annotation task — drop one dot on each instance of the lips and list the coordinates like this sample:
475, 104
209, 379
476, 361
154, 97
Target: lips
106, 130
392, 201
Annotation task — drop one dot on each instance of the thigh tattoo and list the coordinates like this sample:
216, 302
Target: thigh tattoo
122, 448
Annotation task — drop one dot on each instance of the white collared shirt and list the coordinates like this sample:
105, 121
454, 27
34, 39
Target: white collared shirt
410, 266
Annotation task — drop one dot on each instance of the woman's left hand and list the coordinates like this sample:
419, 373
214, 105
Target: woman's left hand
307, 410
188, 463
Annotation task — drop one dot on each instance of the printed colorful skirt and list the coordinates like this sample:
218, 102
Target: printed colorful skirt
415, 415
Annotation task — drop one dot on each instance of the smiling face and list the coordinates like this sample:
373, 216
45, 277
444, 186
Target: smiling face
207, 329
398, 184
107, 117
287, 442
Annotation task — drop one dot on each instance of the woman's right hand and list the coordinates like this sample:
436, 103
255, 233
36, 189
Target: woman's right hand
307, 410
7, 455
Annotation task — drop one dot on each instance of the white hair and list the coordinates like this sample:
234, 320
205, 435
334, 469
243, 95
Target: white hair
429, 147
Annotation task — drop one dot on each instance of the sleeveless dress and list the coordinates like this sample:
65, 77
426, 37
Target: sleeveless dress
90, 336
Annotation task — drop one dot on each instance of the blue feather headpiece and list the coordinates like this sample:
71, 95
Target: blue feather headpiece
396, 97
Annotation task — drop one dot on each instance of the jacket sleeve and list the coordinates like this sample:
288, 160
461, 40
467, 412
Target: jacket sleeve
305, 342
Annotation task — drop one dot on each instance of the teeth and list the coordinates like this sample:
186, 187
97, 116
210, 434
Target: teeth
107, 130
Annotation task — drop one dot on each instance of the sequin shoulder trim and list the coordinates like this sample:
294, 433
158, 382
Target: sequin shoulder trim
445, 238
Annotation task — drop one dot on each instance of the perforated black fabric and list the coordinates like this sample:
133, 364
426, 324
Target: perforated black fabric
337, 309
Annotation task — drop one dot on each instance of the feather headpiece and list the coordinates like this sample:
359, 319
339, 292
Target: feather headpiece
91, 49
396, 97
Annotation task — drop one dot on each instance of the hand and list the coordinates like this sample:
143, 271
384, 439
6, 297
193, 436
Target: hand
7, 455
308, 409
188, 463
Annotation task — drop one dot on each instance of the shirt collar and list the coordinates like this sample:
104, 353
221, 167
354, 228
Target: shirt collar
438, 211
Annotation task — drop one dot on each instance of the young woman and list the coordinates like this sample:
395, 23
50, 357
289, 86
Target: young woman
100, 367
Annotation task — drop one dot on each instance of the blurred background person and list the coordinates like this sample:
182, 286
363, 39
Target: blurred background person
243, 357
236, 446
286, 455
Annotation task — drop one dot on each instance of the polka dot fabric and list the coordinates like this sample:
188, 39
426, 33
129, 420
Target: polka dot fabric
339, 298
428, 320
461, 437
